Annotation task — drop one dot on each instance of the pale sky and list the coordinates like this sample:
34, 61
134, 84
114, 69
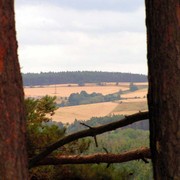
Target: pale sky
72, 35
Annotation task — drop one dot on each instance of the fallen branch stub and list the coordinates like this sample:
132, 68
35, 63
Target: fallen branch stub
89, 132
98, 158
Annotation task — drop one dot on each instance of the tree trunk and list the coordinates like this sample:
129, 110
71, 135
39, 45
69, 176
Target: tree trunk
163, 37
13, 162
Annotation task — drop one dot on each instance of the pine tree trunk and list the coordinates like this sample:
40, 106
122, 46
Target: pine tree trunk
163, 39
13, 161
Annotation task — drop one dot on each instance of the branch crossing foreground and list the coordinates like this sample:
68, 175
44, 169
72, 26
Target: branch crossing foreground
141, 153
93, 131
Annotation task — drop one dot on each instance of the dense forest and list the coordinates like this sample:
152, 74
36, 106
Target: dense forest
79, 77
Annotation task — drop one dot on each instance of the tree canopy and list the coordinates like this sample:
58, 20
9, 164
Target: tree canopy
79, 77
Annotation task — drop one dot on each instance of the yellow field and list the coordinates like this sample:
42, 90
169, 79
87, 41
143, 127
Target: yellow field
65, 91
131, 106
84, 112
139, 93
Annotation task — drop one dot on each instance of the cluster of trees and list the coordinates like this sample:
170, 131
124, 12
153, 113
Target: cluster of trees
41, 132
84, 98
79, 77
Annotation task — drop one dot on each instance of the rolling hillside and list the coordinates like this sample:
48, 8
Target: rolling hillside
132, 102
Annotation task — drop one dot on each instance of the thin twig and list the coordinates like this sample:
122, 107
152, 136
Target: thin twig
95, 139
86, 125
106, 150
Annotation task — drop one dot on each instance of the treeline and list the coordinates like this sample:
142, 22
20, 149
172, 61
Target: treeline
79, 77
98, 121
84, 98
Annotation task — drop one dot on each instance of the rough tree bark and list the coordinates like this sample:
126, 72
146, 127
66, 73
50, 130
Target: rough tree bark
137, 154
163, 37
13, 163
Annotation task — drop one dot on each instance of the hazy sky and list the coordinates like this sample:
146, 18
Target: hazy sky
71, 35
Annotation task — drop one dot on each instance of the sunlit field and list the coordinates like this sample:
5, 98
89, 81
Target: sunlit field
132, 102
66, 90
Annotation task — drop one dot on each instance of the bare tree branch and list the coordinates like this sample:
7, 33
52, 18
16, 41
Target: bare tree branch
109, 158
89, 132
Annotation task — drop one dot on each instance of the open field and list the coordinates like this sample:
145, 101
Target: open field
139, 93
132, 102
85, 112
130, 107
65, 91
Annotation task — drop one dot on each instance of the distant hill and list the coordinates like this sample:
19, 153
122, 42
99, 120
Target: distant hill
79, 77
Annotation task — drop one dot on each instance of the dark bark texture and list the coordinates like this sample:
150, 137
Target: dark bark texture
137, 154
163, 40
13, 163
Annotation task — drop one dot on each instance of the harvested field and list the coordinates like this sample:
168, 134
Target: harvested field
127, 106
130, 107
83, 112
141, 83
65, 91
138, 94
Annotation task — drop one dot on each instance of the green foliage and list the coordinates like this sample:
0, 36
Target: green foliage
40, 110
39, 133
115, 142
42, 132
120, 141
84, 98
